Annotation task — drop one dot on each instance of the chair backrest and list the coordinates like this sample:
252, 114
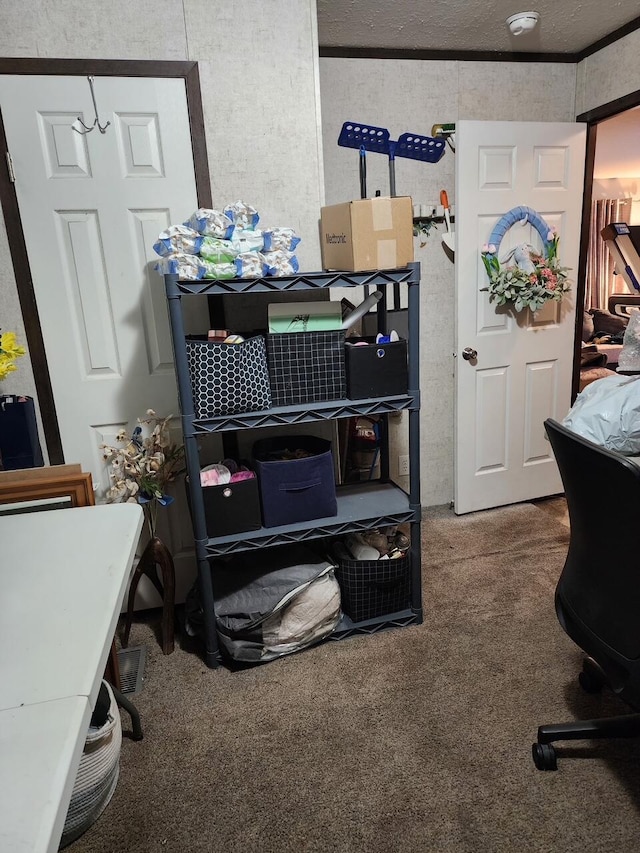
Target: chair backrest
598, 594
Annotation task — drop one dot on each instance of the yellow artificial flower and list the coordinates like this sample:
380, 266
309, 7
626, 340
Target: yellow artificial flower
9, 351
9, 345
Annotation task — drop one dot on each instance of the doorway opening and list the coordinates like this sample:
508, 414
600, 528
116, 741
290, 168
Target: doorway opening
612, 194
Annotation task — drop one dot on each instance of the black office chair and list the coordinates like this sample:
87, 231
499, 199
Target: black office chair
598, 594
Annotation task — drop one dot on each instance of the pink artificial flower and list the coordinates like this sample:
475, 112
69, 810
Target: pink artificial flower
492, 248
533, 278
552, 233
485, 248
550, 285
547, 273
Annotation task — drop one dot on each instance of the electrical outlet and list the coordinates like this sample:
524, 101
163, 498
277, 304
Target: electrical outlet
403, 466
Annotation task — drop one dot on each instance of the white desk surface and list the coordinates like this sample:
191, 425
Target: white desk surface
41, 746
63, 574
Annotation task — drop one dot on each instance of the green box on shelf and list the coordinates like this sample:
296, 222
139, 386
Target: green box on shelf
290, 317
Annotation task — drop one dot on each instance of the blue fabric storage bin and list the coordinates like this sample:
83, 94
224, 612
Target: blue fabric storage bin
294, 490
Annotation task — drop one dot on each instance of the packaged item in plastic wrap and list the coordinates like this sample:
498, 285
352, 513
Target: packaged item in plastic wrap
250, 265
186, 267
280, 238
280, 263
178, 238
247, 241
243, 216
211, 223
219, 270
607, 413
218, 251
629, 357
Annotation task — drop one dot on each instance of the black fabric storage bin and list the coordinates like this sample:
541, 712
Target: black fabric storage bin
377, 370
232, 508
305, 367
295, 489
373, 588
228, 379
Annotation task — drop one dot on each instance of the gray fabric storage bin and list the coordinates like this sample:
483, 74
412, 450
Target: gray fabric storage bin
295, 489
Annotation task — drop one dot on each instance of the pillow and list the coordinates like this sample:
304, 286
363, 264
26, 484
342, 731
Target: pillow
587, 327
606, 323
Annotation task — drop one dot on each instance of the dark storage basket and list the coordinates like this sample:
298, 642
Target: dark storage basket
295, 489
228, 379
376, 370
373, 588
305, 367
231, 508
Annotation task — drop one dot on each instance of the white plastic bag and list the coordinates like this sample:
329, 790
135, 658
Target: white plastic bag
629, 358
607, 413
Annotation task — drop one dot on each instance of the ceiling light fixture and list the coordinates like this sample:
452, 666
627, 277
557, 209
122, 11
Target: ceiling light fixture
523, 22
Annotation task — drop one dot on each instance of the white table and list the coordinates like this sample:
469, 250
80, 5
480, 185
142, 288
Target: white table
40, 749
63, 575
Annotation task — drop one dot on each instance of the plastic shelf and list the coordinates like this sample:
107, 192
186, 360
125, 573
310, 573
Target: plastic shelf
347, 628
319, 411
306, 281
359, 508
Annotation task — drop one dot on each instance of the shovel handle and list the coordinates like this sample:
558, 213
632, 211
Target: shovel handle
444, 199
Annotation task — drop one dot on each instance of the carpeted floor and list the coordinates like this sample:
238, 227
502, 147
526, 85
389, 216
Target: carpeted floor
415, 740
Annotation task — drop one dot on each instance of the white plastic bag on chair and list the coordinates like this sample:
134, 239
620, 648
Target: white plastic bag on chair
607, 413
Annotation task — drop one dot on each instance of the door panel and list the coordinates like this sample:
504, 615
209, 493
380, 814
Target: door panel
523, 370
91, 206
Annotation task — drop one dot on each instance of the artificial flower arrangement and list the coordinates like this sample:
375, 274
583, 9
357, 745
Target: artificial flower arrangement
143, 466
534, 280
9, 352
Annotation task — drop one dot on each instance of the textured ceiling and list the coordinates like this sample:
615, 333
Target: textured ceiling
566, 26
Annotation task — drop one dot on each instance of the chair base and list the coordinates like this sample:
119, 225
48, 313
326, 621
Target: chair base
544, 755
591, 679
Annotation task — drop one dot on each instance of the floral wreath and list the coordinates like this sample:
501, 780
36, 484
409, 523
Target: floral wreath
535, 278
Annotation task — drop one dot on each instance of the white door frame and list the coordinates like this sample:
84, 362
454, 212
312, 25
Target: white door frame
20, 260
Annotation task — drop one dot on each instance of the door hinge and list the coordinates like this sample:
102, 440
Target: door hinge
12, 174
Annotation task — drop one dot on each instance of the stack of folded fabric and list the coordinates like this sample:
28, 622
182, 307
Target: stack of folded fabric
223, 244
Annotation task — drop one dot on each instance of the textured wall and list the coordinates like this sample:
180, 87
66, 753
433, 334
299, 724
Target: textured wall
258, 70
259, 79
411, 96
610, 73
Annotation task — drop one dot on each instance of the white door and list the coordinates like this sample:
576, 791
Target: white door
91, 208
523, 370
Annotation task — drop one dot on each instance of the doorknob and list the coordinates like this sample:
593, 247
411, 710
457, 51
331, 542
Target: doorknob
469, 354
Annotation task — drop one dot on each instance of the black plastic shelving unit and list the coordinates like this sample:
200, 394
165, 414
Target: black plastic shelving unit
361, 506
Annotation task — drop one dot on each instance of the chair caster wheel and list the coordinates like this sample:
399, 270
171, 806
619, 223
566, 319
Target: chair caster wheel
590, 682
544, 756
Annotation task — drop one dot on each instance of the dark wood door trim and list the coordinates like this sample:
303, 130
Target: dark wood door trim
30, 316
8, 199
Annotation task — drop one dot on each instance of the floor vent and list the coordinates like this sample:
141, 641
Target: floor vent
132, 661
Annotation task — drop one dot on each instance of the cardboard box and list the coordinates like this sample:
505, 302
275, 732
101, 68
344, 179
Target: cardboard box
367, 234
289, 317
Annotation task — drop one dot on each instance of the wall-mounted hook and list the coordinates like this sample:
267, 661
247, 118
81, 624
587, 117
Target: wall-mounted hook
96, 122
